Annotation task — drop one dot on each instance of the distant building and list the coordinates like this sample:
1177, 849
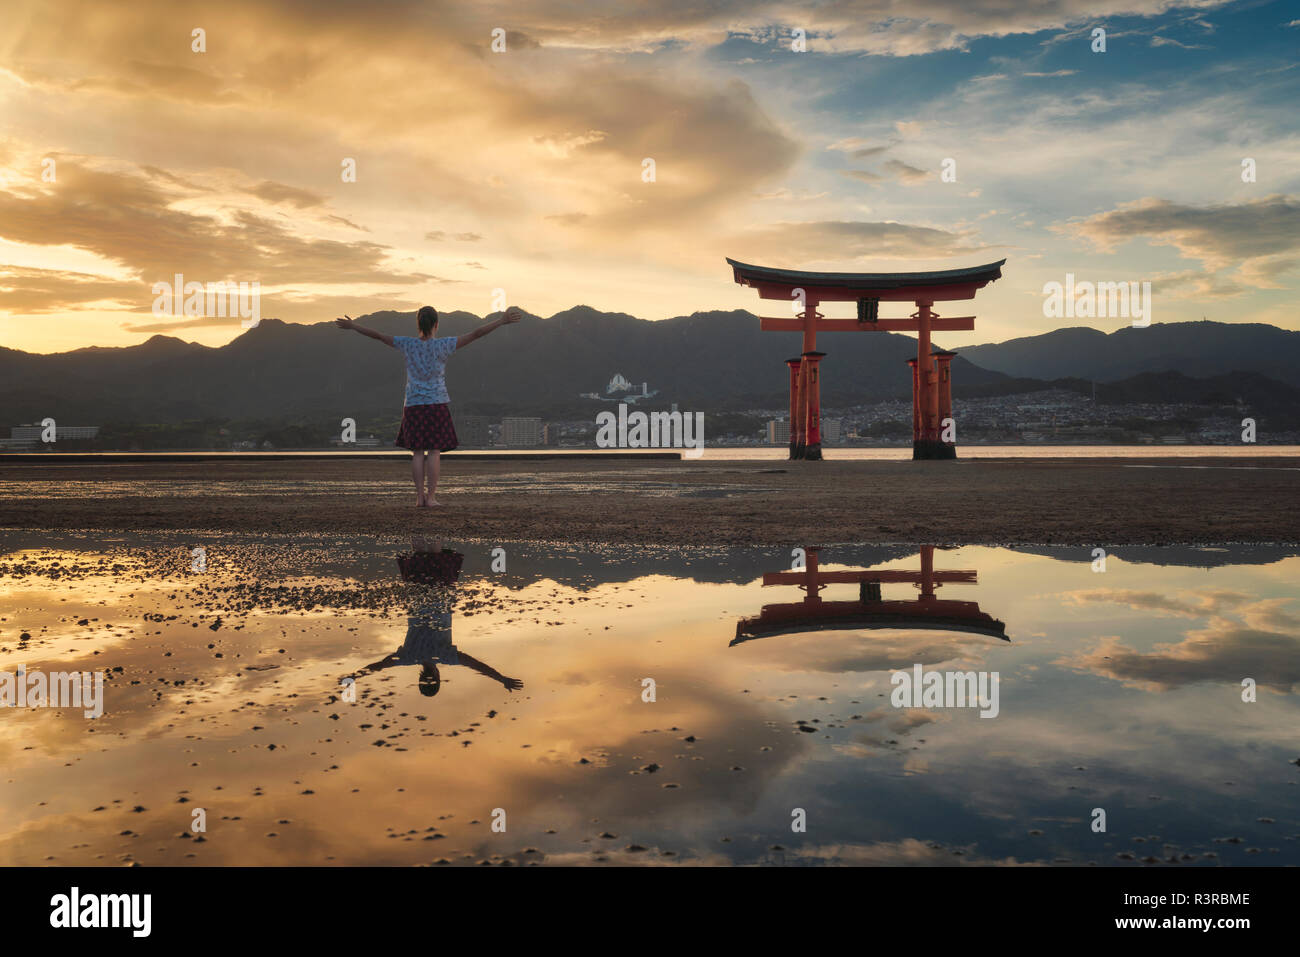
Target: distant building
622, 389
473, 431
29, 436
361, 441
778, 432
521, 432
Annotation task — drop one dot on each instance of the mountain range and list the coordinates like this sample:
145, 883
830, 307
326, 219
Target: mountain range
712, 361
1197, 349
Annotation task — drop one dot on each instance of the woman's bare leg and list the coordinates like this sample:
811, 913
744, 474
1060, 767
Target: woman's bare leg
417, 473
432, 466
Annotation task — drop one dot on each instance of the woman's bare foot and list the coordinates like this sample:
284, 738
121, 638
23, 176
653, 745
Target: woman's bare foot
420, 501
433, 502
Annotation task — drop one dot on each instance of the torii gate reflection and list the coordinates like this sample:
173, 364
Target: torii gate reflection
870, 611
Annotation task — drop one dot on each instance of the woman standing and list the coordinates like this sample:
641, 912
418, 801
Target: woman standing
427, 429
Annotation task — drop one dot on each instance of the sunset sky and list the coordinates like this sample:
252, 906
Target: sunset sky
522, 169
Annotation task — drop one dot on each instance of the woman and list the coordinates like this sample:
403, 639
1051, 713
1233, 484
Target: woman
427, 429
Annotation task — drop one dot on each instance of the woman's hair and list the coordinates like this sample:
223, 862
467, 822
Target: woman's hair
430, 681
427, 317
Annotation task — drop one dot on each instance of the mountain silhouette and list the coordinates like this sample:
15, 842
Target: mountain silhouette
1197, 349
709, 361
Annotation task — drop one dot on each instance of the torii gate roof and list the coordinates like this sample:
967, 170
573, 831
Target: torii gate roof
749, 275
944, 615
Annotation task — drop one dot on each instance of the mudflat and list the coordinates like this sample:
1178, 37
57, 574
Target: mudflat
663, 502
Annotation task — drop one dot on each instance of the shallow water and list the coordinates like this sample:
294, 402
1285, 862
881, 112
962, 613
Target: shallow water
1119, 690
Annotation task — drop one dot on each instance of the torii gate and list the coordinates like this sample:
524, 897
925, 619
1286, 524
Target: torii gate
870, 611
931, 385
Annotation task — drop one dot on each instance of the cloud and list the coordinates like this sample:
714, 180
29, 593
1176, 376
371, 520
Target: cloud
1159, 41
175, 180
439, 236
1221, 653
1244, 638
785, 193
1220, 235
343, 221
1198, 284
796, 243
865, 175
127, 219
858, 148
837, 26
175, 325
1185, 605
895, 170
290, 195
906, 174
289, 306
34, 291
565, 144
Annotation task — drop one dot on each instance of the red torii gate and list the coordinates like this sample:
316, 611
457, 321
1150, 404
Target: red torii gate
813, 613
931, 385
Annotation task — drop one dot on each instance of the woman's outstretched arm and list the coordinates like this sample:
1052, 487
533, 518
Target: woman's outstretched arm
347, 322
512, 315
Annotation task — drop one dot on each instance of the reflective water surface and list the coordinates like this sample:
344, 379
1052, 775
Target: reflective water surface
324, 701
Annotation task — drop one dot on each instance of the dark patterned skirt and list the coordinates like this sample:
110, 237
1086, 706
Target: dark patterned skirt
427, 428
431, 568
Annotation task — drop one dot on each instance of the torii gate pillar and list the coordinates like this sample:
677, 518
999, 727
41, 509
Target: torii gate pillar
947, 436
945, 447
927, 421
796, 439
812, 402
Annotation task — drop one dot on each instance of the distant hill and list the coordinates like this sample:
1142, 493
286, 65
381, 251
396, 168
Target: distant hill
713, 360
1197, 349
1248, 389
709, 361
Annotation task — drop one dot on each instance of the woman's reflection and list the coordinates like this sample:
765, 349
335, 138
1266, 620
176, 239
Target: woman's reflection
431, 573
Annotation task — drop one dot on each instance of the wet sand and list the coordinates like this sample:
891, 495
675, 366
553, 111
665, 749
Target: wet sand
711, 503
